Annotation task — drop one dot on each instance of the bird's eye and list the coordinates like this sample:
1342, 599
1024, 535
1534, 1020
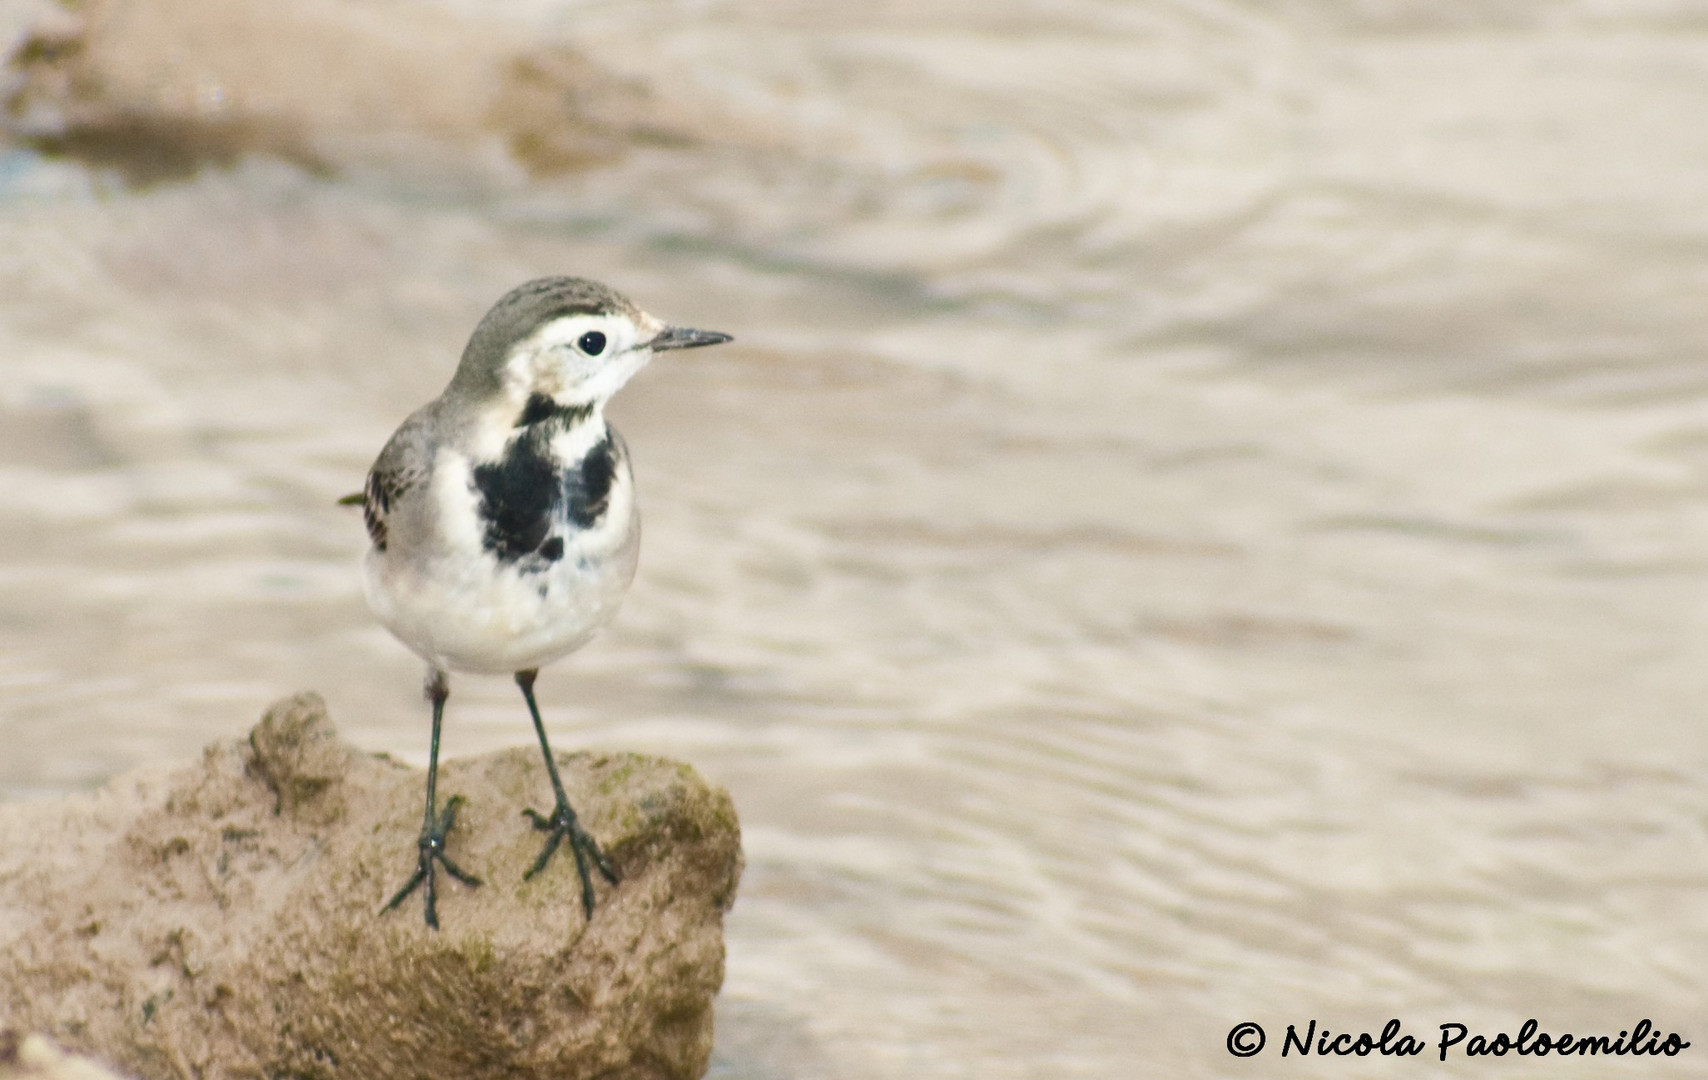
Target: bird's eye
592, 343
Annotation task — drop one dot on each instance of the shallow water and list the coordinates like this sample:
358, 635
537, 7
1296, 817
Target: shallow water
1204, 519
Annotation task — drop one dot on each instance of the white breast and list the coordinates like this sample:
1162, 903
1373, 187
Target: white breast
457, 606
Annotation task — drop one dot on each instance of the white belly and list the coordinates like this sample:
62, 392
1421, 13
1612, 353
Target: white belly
495, 619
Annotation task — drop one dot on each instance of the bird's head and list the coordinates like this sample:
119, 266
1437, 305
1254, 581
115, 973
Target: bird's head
569, 341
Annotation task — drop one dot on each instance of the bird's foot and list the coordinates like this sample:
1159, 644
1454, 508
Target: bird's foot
563, 825
432, 849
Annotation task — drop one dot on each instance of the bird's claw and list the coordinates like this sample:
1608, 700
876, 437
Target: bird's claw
431, 846
563, 825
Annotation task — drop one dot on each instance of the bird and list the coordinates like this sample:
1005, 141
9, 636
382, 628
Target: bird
503, 527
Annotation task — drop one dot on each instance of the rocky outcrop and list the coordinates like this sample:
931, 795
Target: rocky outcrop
158, 89
224, 920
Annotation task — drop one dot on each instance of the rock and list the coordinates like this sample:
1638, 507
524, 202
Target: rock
34, 1058
158, 89
224, 919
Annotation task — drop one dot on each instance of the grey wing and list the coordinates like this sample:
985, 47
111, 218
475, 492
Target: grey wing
376, 506
402, 465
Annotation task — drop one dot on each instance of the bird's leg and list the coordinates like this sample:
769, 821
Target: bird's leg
562, 824
437, 824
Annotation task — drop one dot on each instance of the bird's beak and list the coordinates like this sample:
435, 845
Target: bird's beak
680, 337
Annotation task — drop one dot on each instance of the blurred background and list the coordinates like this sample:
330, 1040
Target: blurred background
1204, 519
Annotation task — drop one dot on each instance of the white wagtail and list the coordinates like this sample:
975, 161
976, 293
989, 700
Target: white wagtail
504, 522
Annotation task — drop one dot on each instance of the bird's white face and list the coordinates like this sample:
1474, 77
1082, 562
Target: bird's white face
581, 359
